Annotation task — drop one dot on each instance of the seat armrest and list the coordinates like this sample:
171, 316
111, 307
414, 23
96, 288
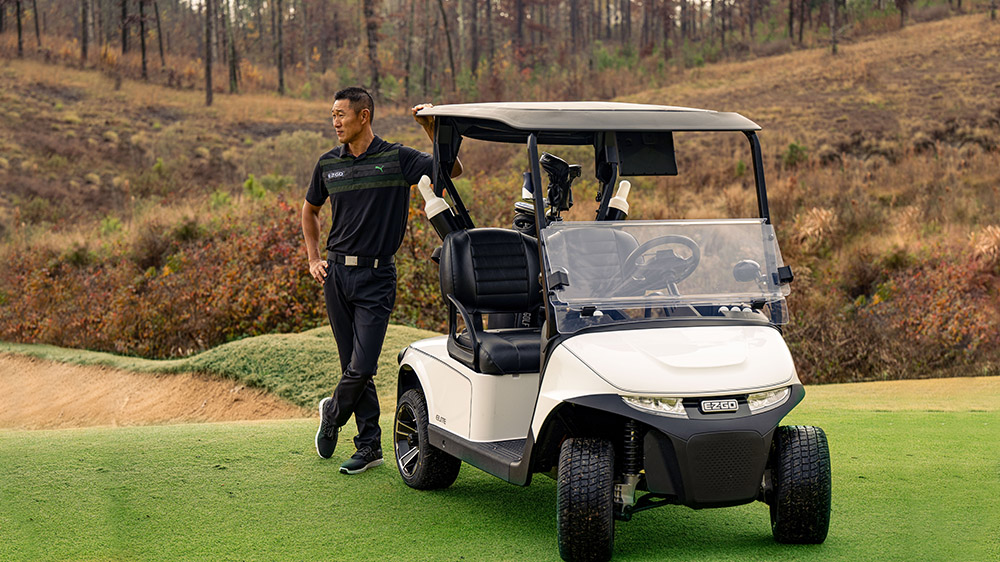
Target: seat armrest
470, 327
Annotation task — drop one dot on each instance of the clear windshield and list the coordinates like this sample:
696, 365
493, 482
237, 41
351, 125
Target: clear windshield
635, 271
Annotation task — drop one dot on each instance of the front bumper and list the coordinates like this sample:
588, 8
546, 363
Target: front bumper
705, 461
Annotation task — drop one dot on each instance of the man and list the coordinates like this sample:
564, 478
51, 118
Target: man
368, 183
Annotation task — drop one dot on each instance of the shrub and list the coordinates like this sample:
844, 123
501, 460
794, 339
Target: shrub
110, 225
253, 188
219, 199
794, 155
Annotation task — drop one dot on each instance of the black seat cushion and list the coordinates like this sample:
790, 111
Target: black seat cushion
501, 352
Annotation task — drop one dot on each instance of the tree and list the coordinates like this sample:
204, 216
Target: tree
84, 4
124, 23
208, 51
34, 16
20, 39
233, 58
904, 7
833, 26
447, 35
791, 20
159, 33
371, 28
279, 17
142, 37
409, 50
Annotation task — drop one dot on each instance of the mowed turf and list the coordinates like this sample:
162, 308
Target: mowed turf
912, 480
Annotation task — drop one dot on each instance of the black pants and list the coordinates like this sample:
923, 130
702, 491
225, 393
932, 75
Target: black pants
358, 303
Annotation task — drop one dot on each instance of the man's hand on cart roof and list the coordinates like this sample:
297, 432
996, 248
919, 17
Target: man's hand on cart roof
427, 122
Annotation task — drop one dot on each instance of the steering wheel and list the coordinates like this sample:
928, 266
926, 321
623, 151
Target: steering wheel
663, 269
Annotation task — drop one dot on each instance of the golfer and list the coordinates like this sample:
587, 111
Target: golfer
367, 181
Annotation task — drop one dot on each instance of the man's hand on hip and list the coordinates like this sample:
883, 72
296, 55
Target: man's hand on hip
317, 268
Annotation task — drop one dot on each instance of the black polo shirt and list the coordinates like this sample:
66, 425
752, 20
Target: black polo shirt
369, 195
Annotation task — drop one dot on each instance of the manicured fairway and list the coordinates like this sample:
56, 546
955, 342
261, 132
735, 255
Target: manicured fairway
918, 484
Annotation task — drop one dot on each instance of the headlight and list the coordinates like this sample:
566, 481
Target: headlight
763, 401
668, 406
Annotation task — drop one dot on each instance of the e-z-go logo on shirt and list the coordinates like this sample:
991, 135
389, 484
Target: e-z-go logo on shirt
334, 174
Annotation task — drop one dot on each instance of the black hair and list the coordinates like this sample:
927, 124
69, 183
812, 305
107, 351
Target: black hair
359, 98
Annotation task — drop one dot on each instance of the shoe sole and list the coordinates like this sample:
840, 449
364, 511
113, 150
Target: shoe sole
322, 403
372, 464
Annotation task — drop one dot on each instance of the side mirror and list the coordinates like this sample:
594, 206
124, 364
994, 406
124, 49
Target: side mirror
746, 270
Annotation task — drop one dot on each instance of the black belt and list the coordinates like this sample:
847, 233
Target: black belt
361, 261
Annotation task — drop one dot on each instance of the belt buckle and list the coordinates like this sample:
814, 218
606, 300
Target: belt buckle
351, 260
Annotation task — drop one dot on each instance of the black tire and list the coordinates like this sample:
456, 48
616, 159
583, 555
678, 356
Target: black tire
421, 465
800, 498
585, 500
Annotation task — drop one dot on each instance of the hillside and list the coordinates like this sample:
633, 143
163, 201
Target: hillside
131, 222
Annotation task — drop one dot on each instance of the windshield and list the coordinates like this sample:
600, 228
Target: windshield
634, 271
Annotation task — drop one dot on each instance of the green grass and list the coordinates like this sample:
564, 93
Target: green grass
301, 368
908, 485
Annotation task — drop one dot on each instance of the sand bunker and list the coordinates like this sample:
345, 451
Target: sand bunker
39, 394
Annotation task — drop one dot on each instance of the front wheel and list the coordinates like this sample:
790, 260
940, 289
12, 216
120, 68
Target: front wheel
800, 499
422, 465
585, 500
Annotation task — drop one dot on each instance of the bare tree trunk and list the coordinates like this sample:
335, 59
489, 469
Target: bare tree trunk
280, 16
20, 40
474, 36
993, 10
208, 51
447, 36
83, 31
519, 16
491, 46
142, 37
668, 28
34, 13
159, 33
306, 37
802, 18
233, 58
791, 20
371, 30
426, 80
409, 50
833, 26
124, 26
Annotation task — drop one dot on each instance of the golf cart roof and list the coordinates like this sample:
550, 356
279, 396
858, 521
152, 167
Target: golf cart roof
577, 122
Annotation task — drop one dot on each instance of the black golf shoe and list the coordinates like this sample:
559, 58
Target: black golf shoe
326, 436
361, 461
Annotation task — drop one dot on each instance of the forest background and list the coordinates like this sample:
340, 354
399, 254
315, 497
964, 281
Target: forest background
153, 155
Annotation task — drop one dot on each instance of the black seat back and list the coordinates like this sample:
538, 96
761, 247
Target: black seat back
491, 270
600, 259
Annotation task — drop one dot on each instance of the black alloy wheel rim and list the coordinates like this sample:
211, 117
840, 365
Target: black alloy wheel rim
407, 440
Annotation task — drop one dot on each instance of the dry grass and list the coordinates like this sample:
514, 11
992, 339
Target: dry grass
881, 166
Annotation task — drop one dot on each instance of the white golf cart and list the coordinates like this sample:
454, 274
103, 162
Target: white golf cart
640, 363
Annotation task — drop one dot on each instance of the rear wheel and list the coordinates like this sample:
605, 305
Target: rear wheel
800, 499
585, 500
421, 465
